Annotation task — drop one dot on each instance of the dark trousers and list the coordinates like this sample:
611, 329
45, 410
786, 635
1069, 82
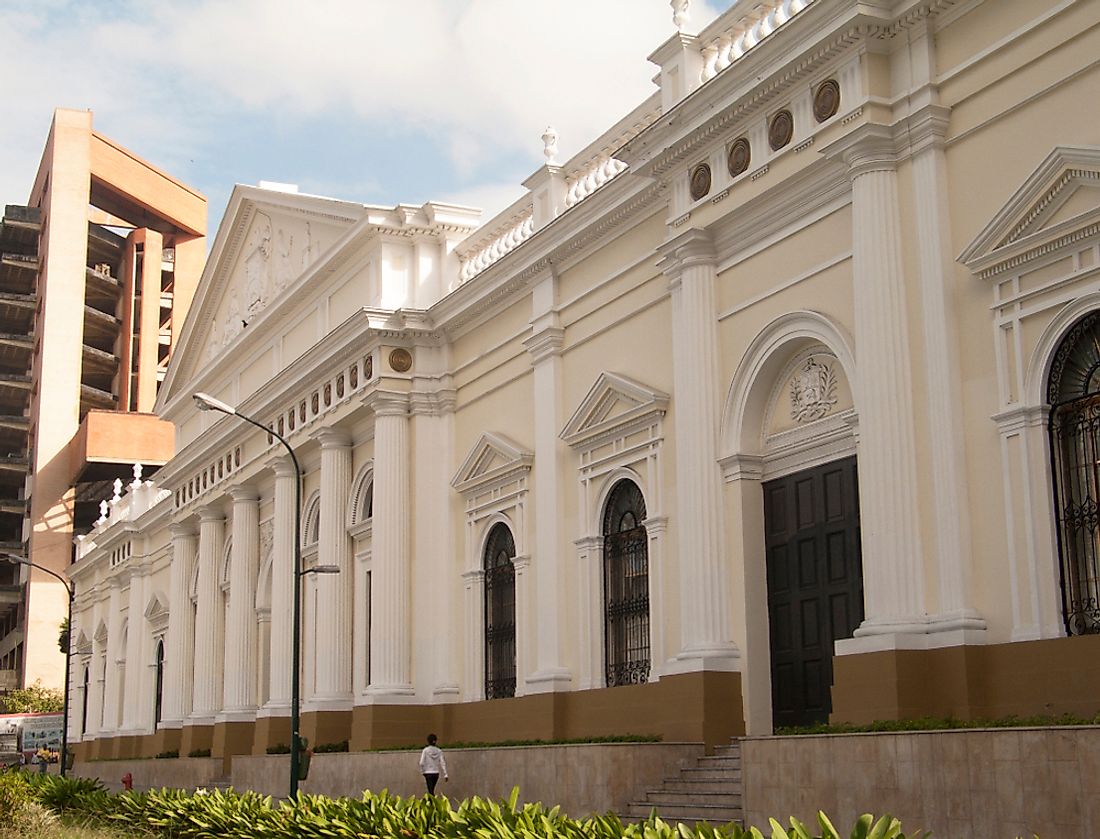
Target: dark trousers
431, 779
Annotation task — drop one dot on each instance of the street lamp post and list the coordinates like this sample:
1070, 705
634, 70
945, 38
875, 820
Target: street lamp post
68, 653
205, 402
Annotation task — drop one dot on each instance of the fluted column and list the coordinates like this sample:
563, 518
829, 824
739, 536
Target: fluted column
282, 582
240, 630
892, 573
132, 700
211, 540
706, 626
334, 591
180, 643
115, 644
942, 373
391, 649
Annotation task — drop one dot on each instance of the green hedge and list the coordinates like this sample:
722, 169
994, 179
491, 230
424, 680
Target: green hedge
939, 724
230, 815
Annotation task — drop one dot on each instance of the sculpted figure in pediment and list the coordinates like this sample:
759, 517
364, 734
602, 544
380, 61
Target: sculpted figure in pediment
233, 321
257, 266
284, 267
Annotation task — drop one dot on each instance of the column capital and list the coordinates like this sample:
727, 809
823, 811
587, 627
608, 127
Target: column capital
182, 530
387, 403
244, 494
210, 513
281, 465
928, 127
544, 343
695, 246
868, 148
332, 437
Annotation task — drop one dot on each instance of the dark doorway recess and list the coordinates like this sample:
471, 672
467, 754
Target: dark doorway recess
815, 584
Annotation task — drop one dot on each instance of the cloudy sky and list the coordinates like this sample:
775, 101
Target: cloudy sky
379, 101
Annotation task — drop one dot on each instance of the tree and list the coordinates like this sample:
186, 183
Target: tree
63, 636
36, 699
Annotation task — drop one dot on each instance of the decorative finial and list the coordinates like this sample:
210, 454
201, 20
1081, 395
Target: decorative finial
680, 13
103, 506
550, 145
137, 475
117, 486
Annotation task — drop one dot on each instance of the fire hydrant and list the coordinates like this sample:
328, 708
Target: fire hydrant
127, 781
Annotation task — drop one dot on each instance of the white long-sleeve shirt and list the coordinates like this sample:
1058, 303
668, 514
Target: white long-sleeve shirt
432, 761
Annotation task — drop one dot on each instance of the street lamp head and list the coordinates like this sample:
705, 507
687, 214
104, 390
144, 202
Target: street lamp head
322, 569
206, 402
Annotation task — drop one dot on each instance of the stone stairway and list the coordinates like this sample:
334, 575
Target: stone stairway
708, 791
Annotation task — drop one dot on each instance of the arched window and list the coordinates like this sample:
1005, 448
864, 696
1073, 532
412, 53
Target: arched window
625, 587
500, 614
158, 682
84, 703
1073, 392
311, 521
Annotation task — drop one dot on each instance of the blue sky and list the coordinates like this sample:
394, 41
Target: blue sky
379, 101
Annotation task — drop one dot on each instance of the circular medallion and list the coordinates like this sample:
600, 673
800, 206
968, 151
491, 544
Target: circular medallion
401, 360
368, 367
826, 100
739, 156
780, 130
700, 181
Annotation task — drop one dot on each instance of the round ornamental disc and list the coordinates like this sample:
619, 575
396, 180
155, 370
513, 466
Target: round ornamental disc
739, 156
368, 367
700, 181
826, 100
401, 360
781, 130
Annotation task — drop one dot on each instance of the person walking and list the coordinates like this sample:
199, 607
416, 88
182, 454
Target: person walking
432, 764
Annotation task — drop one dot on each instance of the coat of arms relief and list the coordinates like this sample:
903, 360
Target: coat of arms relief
813, 390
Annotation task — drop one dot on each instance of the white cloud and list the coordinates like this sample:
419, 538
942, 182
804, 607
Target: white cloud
481, 77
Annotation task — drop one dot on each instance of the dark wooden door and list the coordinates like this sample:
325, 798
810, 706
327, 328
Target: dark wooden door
815, 584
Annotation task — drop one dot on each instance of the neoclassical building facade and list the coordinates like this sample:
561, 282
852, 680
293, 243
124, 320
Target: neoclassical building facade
775, 404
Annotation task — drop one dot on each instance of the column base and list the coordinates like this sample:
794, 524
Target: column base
550, 680
197, 736
231, 738
271, 731
166, 739
968, 681
322, 728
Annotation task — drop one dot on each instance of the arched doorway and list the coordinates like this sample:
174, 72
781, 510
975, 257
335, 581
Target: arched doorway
1073, 392
626, 587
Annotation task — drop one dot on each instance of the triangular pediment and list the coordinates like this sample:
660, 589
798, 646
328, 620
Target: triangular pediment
83, 644
268, 243
100, 632
156, 609
614, 403
1052, 207
493, 458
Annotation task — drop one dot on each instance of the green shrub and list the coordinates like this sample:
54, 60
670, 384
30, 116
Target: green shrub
199, 753
15, 792
221, 814
342, 746
279, 749
171, 753
939, 724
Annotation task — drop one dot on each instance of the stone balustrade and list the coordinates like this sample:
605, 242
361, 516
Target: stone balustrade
746, 32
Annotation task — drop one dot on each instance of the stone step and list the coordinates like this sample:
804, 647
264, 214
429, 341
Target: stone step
703, 774
662, 798
719, 762
689, 814
713, 785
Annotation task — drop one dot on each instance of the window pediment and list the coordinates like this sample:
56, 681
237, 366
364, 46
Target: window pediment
1055, 206
492, 461
156, 612
613, 407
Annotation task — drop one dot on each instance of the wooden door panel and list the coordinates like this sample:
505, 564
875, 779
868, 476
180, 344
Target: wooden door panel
815, 584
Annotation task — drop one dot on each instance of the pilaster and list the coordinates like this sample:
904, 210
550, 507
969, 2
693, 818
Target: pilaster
282, 582
689, 261
112, 693
133, 703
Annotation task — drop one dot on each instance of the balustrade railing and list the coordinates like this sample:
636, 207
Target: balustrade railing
744, 34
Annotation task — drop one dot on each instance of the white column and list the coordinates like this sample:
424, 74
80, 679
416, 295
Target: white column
942, 366
133, 701
240, 631
334, 591
282, 583
211, 542
391, 649
892, 549
115, 645
180, 644
544, 346
705, 596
